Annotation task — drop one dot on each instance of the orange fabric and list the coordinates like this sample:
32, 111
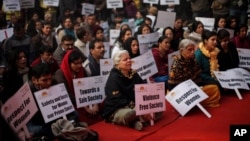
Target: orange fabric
213, 93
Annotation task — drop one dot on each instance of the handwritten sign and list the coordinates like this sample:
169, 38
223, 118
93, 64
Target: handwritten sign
27, 4
114, 4
151, 1
185, 96
54, 102
244, 57
89, 90
169, 2
6, 33
149, 98
12, 5
145, 65
51, 2
20, 108
88, 9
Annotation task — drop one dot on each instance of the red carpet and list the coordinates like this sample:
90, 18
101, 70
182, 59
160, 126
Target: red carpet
194, 126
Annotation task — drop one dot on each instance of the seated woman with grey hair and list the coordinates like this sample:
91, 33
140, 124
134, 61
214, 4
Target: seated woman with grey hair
185, 67
120, 95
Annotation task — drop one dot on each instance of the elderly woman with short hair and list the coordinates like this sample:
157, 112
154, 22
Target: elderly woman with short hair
185, 67
120, 95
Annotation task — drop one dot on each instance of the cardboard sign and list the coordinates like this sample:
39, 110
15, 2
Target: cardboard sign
207, 22
169, 2
5, 33
146, 41
244, 57
151, 1
88, 9
244, 72
107, 49
11, 5
54, 102
27, 4
149, 98
185, 96
89, 90
114, 4
113, 35
20, 108
105, 66
51, 2
145, 65
165, 19
231, 80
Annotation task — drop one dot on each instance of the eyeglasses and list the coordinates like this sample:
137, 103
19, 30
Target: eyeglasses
69, 44
77, 63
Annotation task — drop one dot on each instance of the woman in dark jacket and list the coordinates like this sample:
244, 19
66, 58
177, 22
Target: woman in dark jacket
228, 57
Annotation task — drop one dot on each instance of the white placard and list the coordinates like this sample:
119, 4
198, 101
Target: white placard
185, 96
88, 9
113, 35
13, 5
207, 22
152, 18
145, 65
165, 19
231, 79
151, 1
20, 108
105, 67
244, 56
169, 2
6, 33
146, 41
27, 4
89, 90
54, 102
51, 2
245, 73
114, 4
149, 98
107, 49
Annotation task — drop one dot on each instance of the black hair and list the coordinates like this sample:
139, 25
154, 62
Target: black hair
223, 33
67, 38
166, 28
75, 55
139, 31
127, 47
195, 25
92, 43
81, 32
162, 38
39, 70
46, 48
122, 34
207, 34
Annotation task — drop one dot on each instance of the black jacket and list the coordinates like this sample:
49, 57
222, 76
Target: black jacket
119, 91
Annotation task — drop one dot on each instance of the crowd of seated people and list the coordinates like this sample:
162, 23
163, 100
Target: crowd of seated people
60, 44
